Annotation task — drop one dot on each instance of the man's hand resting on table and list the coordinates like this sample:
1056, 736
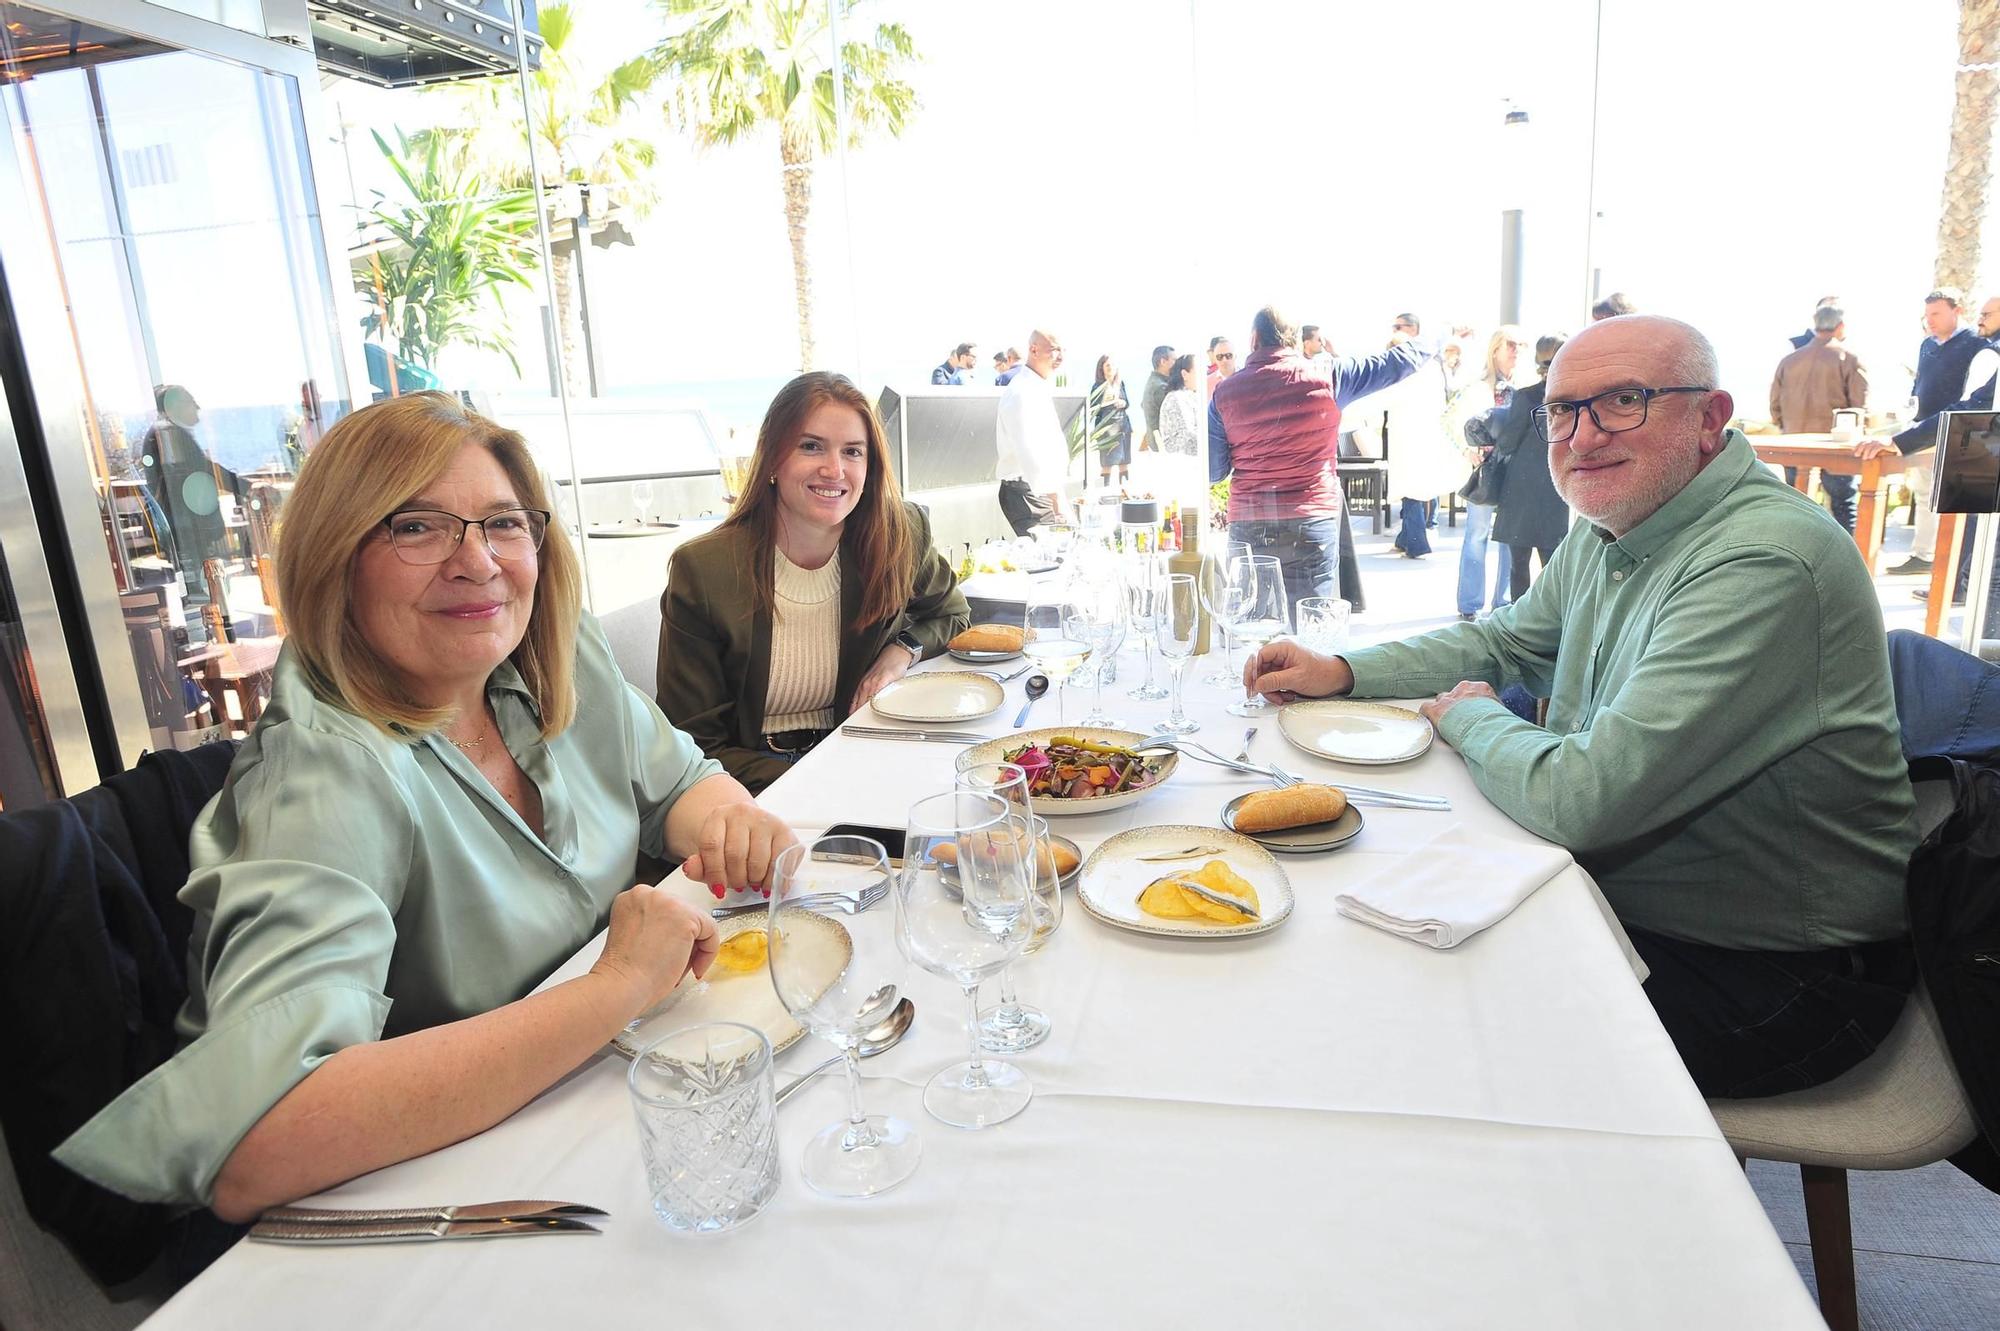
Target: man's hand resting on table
1284, 671
1434, 710
1873, 448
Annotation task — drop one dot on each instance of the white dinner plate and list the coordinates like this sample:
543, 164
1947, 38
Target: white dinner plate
996, 750
940, 695
1307, 840
748, 997
1115, 875
1368, 733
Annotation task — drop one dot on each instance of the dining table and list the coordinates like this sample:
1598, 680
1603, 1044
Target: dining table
1325, 1124
1807, 453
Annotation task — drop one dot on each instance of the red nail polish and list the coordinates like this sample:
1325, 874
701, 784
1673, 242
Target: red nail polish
717, 889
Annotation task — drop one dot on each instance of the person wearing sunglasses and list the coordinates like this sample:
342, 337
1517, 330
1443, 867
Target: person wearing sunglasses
1221, 360
1721, 750
445, 798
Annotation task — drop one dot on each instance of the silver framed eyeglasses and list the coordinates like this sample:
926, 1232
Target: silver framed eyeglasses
1614, 411
431, 536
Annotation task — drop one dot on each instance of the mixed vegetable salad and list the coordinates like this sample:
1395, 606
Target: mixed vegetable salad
1079, 769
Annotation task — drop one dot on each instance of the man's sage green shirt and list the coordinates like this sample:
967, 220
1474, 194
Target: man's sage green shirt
351, 885
1721, 750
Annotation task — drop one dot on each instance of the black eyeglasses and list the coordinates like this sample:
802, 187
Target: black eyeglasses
431, 536
1615, 411
1227, 355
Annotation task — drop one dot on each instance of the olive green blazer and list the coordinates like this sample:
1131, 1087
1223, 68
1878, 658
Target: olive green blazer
715, 646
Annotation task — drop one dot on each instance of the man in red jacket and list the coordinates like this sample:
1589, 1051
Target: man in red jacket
1276, 426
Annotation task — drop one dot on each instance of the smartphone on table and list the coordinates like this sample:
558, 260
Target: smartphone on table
893, 839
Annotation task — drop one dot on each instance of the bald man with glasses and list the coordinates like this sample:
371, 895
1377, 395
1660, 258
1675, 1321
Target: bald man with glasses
1721, 750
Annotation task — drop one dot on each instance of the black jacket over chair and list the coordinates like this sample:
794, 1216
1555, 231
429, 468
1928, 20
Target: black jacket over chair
93, 951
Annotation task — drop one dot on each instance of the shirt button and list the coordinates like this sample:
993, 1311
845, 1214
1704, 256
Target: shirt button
1618, 575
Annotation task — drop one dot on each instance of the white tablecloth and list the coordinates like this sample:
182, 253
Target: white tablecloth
1324, 1125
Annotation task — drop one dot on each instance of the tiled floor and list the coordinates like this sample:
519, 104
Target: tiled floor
1927, 1241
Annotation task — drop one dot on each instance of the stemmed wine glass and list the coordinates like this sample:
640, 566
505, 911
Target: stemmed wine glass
1014, 1025
1215, 567
1100, 621
642, 497
1178, 625
1144, 574
1261, 615
865, 1154
1047, 640
964, 914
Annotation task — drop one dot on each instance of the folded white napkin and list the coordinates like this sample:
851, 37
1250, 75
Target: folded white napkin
1450, 888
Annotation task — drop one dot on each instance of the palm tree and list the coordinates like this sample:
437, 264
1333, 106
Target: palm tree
590, 129
1969, 168
457, 243
739, 65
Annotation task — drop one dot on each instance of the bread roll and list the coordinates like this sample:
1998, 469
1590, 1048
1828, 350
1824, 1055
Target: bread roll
1294, 806
989, 638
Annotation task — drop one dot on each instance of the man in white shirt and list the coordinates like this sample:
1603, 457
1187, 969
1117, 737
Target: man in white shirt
1033, 454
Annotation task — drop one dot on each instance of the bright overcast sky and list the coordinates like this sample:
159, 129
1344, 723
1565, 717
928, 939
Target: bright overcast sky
1131, 173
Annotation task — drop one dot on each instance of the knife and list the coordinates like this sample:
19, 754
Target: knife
409, 1215
927, 736
295, 1231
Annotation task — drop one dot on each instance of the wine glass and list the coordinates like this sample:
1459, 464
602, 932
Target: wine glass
865, 1154
1177, 627
1214, 577
1144, 575
1047, 641
1261, 615
642, 497
963, 914
1013, 1025
1100, 621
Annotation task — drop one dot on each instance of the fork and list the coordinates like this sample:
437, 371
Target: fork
844, 902
1248, 736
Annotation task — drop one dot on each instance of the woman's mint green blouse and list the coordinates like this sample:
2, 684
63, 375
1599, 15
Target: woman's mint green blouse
349, 885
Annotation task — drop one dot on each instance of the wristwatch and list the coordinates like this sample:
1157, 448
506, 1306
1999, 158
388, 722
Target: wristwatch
908, 640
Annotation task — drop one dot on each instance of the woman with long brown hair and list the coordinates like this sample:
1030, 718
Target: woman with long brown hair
819, 589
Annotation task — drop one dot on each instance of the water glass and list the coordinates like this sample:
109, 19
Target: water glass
708, 1125
1216, 599
963, 912
1322, 623
1176, 631
1261, 615
864, 1154
1013, 1025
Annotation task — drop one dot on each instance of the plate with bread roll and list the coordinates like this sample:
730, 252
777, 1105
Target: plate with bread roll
983, 644
1185, 881
1371, 734
1301, 819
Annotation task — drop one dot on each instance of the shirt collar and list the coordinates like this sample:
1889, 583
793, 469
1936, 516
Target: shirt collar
1696, 498
506, 678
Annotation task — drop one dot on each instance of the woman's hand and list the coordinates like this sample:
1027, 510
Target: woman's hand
737, 845
890, 666
655, 939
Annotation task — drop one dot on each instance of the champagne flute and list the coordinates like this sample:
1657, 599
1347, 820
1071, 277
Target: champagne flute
1047, 641
1100, 621
1014, 1025
1177, 628
1262, 615
1214, 577
865, 1154
964, 926
1145, 573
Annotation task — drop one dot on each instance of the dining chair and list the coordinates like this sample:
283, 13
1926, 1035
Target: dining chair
1900, 1108
634, 634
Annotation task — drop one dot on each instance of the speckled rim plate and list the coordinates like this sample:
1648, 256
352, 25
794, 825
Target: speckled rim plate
940, 695
1114, 876
1307, 840
1368, 734
995, 751
748, 997
972, 657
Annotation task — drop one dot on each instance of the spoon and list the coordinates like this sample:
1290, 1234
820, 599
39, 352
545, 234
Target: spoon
1037, 685
883, 1035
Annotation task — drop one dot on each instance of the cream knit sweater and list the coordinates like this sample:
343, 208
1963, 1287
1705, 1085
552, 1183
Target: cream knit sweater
805, 647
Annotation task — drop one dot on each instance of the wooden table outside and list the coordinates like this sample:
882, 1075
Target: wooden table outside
241, 667
1822, 452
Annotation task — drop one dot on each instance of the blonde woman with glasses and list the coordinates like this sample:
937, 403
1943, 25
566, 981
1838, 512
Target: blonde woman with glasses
444, 800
